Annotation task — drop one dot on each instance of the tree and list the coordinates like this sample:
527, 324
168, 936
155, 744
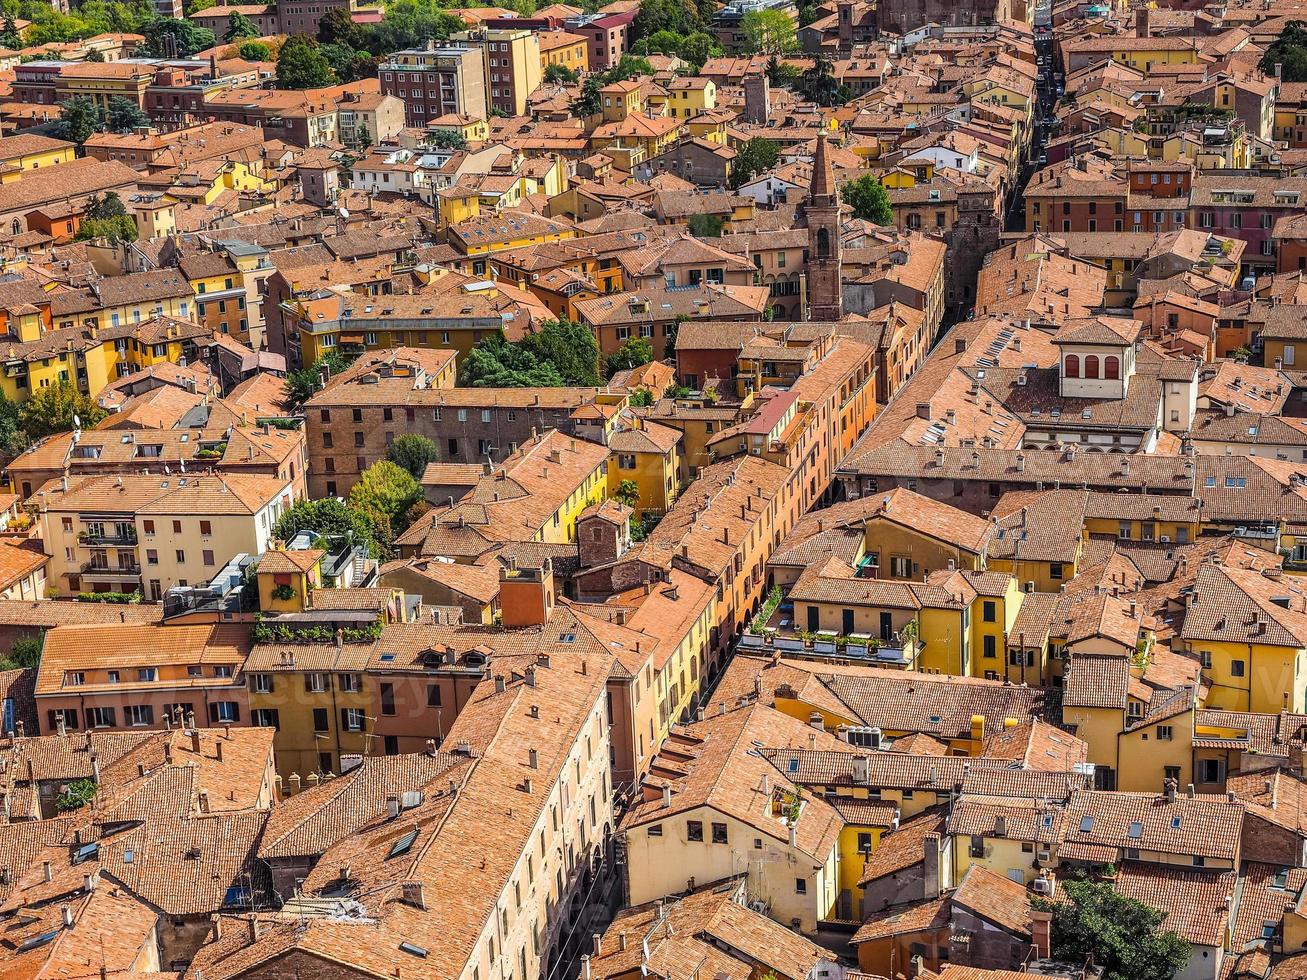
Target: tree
384, 493
1289, 51
768, 32
413, 452
255, 51
664, 15
117, 229
364, 137
628, 67
868, 199
634, 353
109, 206
9, 36
628, 493
94, 56
588, 103
123, 115
52, 410
1120, 933
781, 73
26, 652
330, 517
76, 795
706, 225
821, 86
338, 27
570, 347
755, 157
495, 363
13, 440
80, 118
301, 65
170, 38
239, 26
447, 139
560, 75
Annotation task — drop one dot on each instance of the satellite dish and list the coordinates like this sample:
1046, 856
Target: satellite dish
77, 421
166, 469
344, 212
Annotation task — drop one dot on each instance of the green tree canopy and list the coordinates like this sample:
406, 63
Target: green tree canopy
9, 36
1123, 936
76, 795
769, 32
301, 65
628, 493
755, 157
329, 517
560, 74
117, 229
570, 347
166, 37
676, 16
52, 410
412, 452
337, 27
1289, 51
385, 493
635, 352
447, 139
123, 115
496, 363
255, 51
868, 199
239, 26
13, 439
80, 118
706, 225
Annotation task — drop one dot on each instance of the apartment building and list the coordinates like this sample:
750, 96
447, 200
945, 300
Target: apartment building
437, 81
511, 65
350, 422
159, 677
147, 533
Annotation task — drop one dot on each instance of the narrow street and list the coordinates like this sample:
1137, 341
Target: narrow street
1046, 96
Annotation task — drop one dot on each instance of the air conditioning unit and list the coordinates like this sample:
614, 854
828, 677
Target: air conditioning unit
1044, 857
1030, 587
1165, 539
1042, 886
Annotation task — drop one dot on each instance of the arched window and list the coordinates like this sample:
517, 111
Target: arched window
1091, 366
823, 243
1072, 366
17, 226
1112, 367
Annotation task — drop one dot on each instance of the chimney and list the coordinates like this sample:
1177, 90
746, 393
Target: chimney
598, 943
794, 835
1041, 933
1142, 25
667, 796
95, 767
67, 912
195, 740
392, 807
218, 749
930, 866
167, 753
46, 871
204, 801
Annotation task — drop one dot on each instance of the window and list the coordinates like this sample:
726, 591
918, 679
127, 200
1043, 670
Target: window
1209, 770
1236, 668
101, 717
265, 718
224, 712
719, 833
320, 719
1112, 368
147, 674
433, 695
351, 719
350, 682
800, 886
139, 715
207, 555
990, 611
1091, 365
1072, 368
387, 699
694, 829
1164, 733
148, 526
181, 557
655, 830
206, 528
1055, 570
990, 646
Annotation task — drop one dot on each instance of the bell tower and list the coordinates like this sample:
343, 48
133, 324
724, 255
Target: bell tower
825, 292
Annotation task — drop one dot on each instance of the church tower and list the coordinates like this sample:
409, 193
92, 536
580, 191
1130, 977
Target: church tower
825, 292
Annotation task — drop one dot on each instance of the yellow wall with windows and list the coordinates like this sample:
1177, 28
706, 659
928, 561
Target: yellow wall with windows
561, 528
1254, 677
655, 475
1145, 755
296, 744
34, 161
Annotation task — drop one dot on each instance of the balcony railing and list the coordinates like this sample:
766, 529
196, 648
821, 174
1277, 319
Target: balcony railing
95, 570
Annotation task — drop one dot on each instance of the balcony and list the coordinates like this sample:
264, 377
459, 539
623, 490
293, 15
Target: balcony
96, 572
124, 539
